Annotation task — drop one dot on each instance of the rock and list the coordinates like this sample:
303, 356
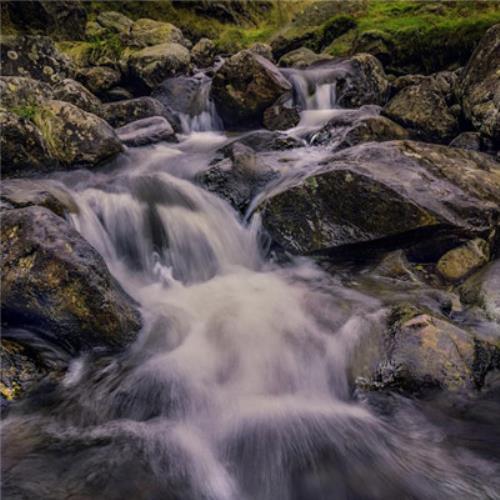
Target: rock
483, 289
265, 140
75, 137
98, 79
281, 117
302, 58
262, 49
146, 131
34, 57
60, 19
154, 64
425, 351
70, 91
120, 113
21, 369
287, 42
23, 146
467, 140
147, 32
390, 193
55, 284
459, 262
114, 22
244, 87
203, 53
364, 82
377, 43
424, 111
404, 81
479, 88
20, 91
21, 193
238, 178
117, 94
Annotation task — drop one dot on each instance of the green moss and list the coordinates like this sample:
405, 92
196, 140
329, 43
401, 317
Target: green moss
28, 111
101, 47
43, 119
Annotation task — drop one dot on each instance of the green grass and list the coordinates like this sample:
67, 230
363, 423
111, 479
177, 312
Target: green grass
27, 111
110, 46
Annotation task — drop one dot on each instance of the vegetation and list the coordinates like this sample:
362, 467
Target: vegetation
28, 111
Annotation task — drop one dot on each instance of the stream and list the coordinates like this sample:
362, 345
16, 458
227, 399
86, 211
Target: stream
241, 384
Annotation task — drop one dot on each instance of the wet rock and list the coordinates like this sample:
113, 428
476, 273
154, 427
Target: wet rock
265, 140
21, 369
244, 87
262, 49
146, 131
238, 178
459, 262
479, 88
19, 92
467, 140
120, 113
203, 53
34, 57
281, 117
302, 58
23, 145
388, 192
364, 82
423, 109
57, 285
75, 93
98, 79
75, 137
482, 289
151, 65
147, 32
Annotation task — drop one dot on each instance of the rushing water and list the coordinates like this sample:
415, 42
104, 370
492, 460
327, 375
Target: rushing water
240, 385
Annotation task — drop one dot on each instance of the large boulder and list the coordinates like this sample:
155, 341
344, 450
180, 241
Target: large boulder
98, 79
424, 109
55, 284
147, 32
244, 86
20, 91
479, 88
71, 91
35, 57
114, 22
151, 65
389, 192
120, 113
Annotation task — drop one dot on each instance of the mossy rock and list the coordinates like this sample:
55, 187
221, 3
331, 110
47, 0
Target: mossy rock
75, 93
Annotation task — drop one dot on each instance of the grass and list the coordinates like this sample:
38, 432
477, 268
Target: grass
27, 111
101, 47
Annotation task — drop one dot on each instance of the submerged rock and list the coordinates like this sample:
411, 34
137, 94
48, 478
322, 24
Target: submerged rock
57, 285
387, 191
244, 87
146, 131
479, 88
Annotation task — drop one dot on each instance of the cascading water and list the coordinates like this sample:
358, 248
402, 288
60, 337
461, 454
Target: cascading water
240, 384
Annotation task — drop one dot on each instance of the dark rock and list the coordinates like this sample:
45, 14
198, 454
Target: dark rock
120, 113
70, 91
467, 140
479, 88
265, 140
203, 53
262, 49
117, 94
57, 285
244, 87
146, 131
34, 57
287, 42
302, 58
281, 117
98, 79
377, 43
387, 191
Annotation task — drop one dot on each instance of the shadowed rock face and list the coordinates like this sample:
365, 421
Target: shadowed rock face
56, 284
374, 191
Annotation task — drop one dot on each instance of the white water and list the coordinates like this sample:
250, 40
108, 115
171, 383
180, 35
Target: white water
240, 383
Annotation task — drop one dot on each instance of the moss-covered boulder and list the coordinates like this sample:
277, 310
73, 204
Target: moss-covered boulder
262, 49
71, 91
98, 79
245, 86
112, 21
147, 32
151, 65
385, 192
120, 113
35, 57
479, 88
55, 284
301, 58
19, 92
459, 262
203, 53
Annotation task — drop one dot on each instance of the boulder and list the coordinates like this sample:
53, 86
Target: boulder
147, 32
98, 79
151, 65
287, 42
114, 22
264, 140
393, 193
120, 113
467, 140
19, 91
423, 109
146, 131
34, 57
244, 87
55, 284
479, 88
377, 43
281, 117
203, 53
70, 91
262, 49
458, 263
301, 58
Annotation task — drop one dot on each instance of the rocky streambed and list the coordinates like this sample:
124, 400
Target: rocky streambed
226, 278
